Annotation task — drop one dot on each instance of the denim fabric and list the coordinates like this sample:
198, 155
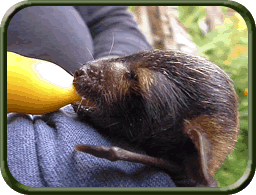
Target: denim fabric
40, 153
66, 36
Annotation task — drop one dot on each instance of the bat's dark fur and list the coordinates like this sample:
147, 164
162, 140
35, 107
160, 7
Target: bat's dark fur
163, 102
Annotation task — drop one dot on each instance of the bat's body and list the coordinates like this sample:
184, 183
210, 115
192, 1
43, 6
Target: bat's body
175, 106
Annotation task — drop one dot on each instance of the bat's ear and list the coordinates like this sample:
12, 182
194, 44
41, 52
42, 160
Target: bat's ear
200, 174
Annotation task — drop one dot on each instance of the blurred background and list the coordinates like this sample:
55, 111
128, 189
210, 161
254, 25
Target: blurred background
219, 34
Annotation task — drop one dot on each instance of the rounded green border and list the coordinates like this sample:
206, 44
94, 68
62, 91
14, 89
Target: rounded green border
15, 185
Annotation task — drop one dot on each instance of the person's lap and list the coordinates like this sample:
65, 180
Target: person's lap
40, 153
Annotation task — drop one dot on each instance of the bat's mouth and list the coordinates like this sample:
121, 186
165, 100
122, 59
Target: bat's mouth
79, 88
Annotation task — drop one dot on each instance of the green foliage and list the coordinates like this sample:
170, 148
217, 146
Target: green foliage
226, 46
131, 8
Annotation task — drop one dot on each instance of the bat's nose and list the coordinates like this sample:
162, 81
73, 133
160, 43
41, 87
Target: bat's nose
79, 72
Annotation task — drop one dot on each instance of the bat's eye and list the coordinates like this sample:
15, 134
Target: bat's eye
130, 75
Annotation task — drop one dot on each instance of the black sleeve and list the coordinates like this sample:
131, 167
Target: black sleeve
113, 25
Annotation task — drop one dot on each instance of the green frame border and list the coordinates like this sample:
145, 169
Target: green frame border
15, 185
